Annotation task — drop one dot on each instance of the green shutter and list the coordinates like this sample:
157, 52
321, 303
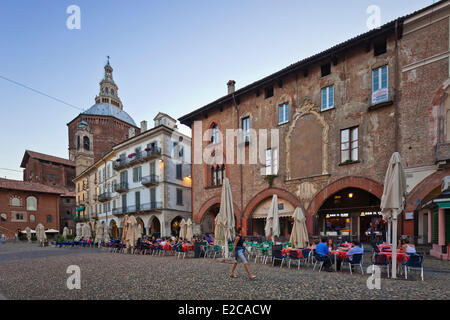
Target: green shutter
435, 227
447, 226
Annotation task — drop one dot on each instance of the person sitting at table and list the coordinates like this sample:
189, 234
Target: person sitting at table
324, 254
356, 249
409, 248
330, 245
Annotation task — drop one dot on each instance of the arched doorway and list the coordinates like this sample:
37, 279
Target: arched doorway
175, 226
207, 223
155, 227
114, 231
259, 215
349, 213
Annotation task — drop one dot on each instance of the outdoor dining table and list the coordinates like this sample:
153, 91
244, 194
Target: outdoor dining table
384, 246
286, 251
187, 246
401, 255
341, 253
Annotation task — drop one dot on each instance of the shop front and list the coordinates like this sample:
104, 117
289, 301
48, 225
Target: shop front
351, 214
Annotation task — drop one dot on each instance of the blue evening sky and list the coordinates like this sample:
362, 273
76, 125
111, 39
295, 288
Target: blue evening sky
171, 56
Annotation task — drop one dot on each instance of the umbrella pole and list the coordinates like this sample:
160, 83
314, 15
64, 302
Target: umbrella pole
389, 231
394, 248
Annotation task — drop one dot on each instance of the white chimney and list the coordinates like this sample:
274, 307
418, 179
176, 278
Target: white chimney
131, 132
230, 85
143, 126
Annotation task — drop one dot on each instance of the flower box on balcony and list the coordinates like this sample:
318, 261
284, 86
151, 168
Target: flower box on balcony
131, 155
148, 149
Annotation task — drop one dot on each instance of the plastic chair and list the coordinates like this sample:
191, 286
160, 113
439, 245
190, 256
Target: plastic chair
293, 256
357, 260
381, 261
276, 255
415, 261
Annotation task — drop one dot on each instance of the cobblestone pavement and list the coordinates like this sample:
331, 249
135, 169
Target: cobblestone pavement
29, 272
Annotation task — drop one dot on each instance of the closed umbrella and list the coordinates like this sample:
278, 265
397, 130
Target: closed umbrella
87, 233
393, 200
105, 233
139, 230
40, 233
224, 229
65, 233
183, 229
125, 227
99, 233
28, 232
78, 232
189, 231
299, 235
132, 235
273, 221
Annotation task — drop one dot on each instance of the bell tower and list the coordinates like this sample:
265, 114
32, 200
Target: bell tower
84, 152
108, 89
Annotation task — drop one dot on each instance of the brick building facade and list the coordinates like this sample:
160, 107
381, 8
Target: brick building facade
340, 115
25, 204
57, 173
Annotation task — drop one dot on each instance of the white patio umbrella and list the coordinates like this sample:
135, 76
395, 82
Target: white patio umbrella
28, 232
31, 230
65, 232
87, 233
51, 231
139, 231
183, 229
224, 228
393, 200
299, 235
189, 231
78, 232
40, 233
105, 232
99, 233
131, 235
124, 228
273, 222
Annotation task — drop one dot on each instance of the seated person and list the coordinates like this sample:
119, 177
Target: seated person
330, 245
356, 249
324, 253
409, 248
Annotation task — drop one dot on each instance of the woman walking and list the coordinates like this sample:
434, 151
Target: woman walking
238, 253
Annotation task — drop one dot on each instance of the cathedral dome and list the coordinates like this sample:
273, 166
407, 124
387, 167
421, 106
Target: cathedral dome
103, 109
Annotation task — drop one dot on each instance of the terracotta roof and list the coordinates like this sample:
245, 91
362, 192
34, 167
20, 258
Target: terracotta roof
29, 186
45, 157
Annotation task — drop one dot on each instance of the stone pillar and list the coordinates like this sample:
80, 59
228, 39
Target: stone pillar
429, 226
441, 227
120, 232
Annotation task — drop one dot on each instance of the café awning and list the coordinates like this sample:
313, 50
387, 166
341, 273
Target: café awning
79, 209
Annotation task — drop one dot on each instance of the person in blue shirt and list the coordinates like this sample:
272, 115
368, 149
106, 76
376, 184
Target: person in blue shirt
356, 249
324, 254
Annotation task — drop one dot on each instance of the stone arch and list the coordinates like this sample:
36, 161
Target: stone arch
283, 194
363, 183
423, 188
209, 203
153, 224
306, 106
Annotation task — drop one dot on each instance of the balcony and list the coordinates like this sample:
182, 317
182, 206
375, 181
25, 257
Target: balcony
151, 153
105, 196
122, 187
150, 180
151, 206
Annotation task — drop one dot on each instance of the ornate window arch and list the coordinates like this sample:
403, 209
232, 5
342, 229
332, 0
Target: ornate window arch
32, 203
16, 201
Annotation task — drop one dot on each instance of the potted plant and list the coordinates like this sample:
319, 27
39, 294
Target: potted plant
269, 178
